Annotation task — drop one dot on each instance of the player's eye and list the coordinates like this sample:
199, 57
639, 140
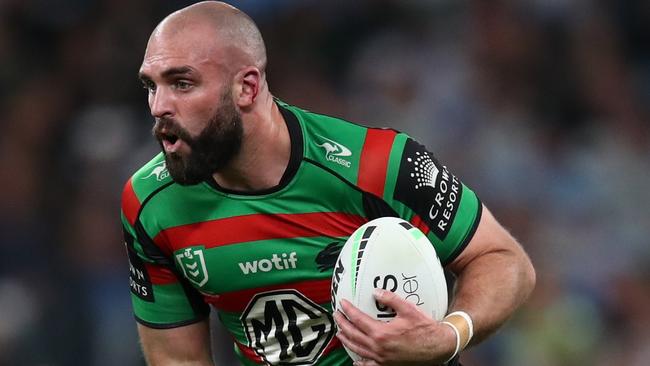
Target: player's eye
182, 85
149, 86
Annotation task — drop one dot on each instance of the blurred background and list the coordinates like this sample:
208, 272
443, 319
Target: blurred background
541, 106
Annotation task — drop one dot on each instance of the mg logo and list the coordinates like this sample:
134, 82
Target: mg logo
192, 263
286, 328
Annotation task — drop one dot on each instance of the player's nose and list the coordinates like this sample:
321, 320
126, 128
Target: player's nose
161, 103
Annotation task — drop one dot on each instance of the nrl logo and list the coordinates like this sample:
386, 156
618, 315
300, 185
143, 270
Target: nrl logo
159, 171
334, 151
192, 263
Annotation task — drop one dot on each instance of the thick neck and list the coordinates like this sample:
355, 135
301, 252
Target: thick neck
264, 155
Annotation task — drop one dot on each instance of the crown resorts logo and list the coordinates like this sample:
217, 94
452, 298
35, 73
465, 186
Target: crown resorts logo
428, 188
334, 151
159, 171
446, 187
425, 171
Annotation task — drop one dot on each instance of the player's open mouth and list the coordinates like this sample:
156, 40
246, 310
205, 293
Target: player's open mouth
170, 141
169, 137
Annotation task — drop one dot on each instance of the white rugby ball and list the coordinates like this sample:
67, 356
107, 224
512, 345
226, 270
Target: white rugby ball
392, 254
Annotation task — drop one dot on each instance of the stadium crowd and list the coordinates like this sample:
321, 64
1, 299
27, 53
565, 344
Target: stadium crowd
542, 107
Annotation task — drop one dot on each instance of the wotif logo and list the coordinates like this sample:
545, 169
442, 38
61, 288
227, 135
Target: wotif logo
334, 151
278, 262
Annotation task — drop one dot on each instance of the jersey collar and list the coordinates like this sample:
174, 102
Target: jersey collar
296, 138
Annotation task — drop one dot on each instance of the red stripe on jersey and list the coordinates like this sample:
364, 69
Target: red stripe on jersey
247, 228
418, 223
130, 203
374, 160
160, 275
250, 353
236, 301
334, 344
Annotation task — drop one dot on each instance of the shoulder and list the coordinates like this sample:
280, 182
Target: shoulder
321, 128
144, 183
349, 149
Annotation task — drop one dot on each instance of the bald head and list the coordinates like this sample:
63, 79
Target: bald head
223, 29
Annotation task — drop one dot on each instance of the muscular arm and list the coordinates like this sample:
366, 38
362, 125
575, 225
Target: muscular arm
183, 346
495, 276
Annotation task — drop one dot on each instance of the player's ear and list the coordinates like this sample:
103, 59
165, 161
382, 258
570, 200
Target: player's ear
247, 86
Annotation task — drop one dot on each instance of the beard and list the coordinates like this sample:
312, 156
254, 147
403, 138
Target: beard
215, 147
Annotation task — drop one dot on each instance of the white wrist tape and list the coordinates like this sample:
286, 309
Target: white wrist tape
470, 325
457, 340
463, 326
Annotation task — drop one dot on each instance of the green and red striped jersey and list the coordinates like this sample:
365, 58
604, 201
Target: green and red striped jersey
264, 259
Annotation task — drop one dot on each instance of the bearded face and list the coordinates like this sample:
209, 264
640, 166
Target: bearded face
215, 147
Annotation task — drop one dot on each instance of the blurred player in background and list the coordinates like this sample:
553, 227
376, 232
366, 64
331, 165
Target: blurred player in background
251, 199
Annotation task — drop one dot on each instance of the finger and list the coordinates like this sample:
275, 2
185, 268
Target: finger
360, 319
355, 347
351, 332
392, 300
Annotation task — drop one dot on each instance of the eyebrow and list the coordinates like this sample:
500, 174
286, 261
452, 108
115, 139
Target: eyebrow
173, 71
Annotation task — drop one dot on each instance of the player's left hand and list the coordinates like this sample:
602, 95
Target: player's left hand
411, 338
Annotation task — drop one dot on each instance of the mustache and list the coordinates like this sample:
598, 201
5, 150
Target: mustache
166, 127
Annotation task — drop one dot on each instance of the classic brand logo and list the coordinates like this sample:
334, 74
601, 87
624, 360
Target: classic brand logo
159, 171
192, 263
278, 262
334, 151
284, 327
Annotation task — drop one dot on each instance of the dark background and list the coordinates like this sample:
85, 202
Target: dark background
540, 106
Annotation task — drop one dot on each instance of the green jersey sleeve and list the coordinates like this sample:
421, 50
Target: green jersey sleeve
418, 188
160, 298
